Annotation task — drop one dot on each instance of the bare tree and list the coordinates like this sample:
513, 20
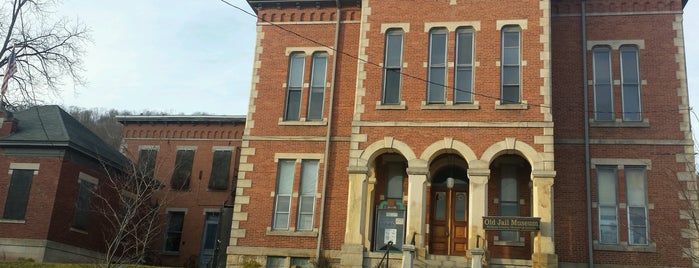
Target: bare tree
46, 50
130, 206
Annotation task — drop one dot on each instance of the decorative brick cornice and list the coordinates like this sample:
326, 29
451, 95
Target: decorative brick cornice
559, 7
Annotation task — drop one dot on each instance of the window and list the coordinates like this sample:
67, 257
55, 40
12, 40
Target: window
18, 194
146, 162
393, 64
307, 197
630, 84
82, 204
294, 86
602, 81
175, 222
463, 77
437, 71
220, 170
635, 199
183, 169
637, 205
316, 95
511, 66
509, 199
607, 205
301, 262
282, 195
276, 262
394, 178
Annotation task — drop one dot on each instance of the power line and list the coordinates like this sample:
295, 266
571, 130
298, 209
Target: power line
341, 52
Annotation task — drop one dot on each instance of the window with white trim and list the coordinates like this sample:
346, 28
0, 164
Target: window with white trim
610, 200
607, 204
392, 67
509, 199
283, 193
316, 94
18, 194
602, 81
511, 90
307, 195
630, 84
437, 66
287, 189
294, 86
173, 235
463, 73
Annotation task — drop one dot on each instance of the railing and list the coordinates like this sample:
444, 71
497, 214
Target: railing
388, 248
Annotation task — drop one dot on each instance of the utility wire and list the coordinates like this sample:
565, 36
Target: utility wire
341, 52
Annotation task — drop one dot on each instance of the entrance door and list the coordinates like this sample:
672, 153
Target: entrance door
208, 240
448, 226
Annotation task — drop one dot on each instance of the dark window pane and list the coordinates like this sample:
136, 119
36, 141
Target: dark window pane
632, 103
510, 75
510, 94
220, 170
510, 56
464, 50
440, 205
173, 237
601, 61
392, 87
281, 221
183, 169
603, 103
146, 162
320, 62
296, 70
510, 39
438, 48
436, 85
394, 187
293, 104
394, 49
82, 204
18, 194
463, 92
460, 207
608, 234
629, 64
638, 236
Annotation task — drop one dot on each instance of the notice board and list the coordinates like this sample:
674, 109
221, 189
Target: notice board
390, 226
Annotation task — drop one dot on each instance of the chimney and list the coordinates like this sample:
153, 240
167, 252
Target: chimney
8, 123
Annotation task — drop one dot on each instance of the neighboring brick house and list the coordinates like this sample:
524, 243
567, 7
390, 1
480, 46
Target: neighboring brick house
49, 165
409, 121
196, 157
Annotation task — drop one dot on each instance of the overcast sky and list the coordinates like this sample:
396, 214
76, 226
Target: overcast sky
186, 56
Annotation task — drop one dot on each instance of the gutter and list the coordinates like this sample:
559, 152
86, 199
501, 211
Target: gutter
326, 154
586, 111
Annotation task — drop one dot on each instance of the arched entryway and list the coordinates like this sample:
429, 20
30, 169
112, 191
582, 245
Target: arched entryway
448, 206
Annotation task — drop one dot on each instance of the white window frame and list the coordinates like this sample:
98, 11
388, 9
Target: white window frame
505, 30
317, 85
597, 85
398, 68
464, 66
435, 67
627, 115
291, 76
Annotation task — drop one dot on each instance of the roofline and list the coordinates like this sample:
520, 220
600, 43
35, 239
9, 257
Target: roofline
258, 4
125, 119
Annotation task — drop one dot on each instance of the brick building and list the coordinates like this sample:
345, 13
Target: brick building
410, 121
196, 157
51, 166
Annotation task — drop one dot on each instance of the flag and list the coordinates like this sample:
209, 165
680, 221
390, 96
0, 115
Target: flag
11, 70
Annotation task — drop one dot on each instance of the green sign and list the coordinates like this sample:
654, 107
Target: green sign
511, 223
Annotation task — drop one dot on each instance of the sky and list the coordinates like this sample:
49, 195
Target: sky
189, 56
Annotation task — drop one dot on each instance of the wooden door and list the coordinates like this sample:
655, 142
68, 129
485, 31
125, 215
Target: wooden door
448, 221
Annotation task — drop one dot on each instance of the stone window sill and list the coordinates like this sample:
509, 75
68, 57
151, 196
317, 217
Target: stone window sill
620, 123
624, 246
292, 232
511, 106
449, 105
73, 229
303, 122
12, 221
380, 106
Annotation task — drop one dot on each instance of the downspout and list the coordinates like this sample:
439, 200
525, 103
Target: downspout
326, 154
586, 110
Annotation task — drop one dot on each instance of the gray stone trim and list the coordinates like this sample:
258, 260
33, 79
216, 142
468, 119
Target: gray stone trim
626, 142
453, 124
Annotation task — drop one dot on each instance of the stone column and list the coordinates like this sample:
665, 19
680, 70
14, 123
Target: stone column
544, 249
417, 187
353, 249
477, 204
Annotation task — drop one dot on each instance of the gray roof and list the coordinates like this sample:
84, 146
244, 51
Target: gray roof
51, 127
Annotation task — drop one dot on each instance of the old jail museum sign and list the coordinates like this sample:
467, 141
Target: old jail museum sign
511, 223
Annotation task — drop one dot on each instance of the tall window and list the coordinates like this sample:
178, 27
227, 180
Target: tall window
83, 203
437, 71
317, 93
220, 170
602, 78
294, 86
18, 194
509, 199
282, 196
173, 236
183, 169
394, 180
607, 204
307, 197
630, 84
146, 162
463, 77
511, 66
393, 64
637, 205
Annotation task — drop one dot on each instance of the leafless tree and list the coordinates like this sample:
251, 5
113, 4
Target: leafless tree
47, 50
130, 205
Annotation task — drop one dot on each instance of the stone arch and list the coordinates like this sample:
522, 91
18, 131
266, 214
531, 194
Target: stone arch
432, 151
387, 145
514, 146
